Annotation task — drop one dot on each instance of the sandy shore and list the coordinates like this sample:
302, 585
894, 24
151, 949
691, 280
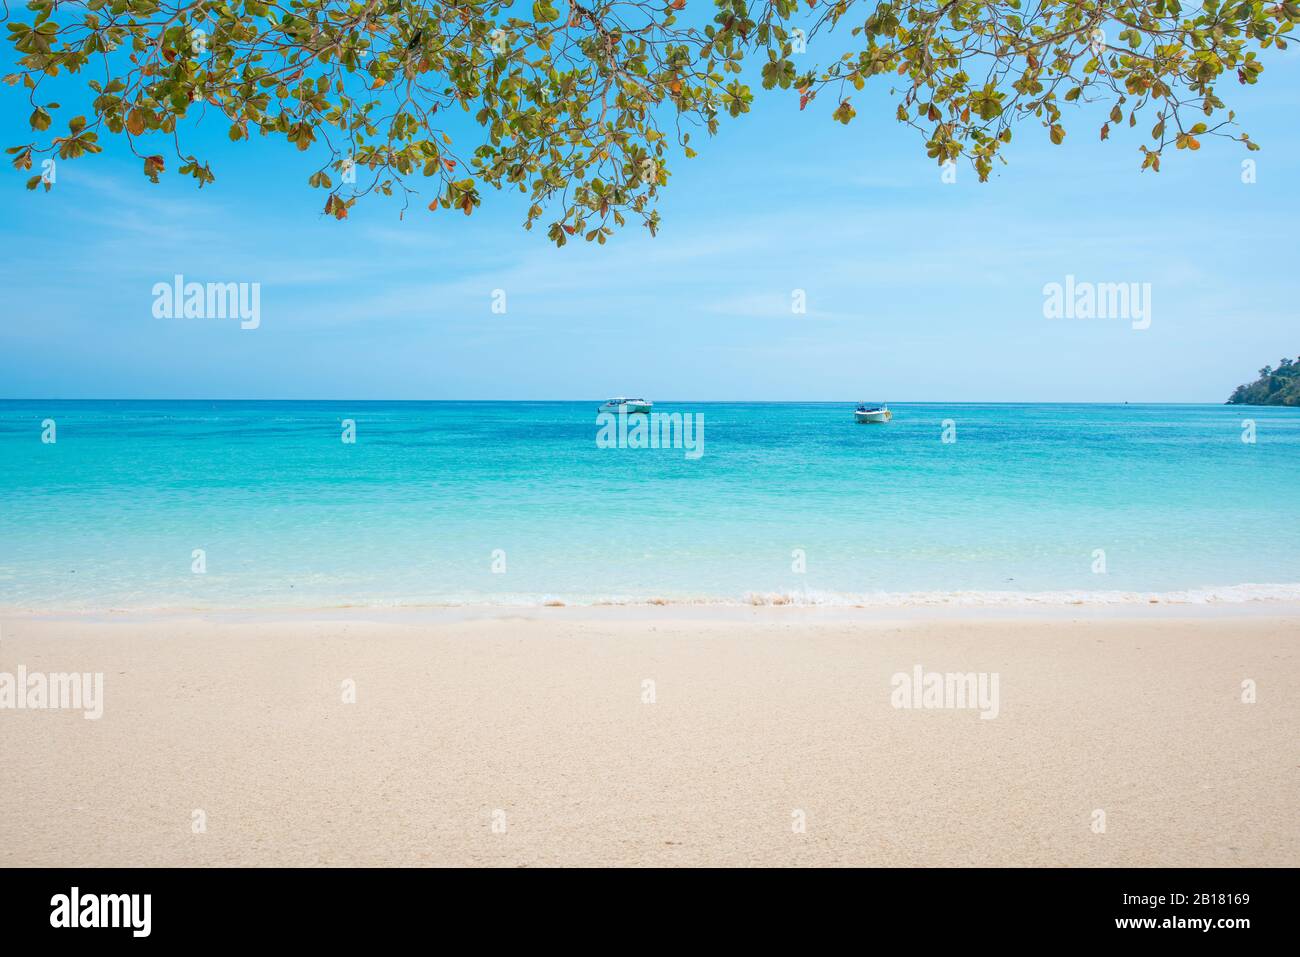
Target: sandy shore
530, 741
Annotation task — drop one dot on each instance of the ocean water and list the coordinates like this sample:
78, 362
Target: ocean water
433, 495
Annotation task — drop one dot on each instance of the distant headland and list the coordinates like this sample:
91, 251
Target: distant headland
1280, 386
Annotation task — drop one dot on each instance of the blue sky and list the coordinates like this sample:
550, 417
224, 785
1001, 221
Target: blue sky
916, 290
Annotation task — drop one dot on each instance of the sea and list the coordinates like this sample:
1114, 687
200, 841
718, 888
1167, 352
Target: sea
146, 505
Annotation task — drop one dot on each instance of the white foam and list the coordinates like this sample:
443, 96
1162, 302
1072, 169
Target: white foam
1210, 595
1220, 595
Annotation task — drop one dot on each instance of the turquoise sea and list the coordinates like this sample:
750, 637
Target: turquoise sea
433, 495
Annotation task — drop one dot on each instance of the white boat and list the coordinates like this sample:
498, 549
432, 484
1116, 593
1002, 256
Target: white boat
875, 414
627, 406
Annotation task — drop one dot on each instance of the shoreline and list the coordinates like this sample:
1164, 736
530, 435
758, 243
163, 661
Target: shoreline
1231, 601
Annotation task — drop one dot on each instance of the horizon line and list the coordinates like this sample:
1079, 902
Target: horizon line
673, 401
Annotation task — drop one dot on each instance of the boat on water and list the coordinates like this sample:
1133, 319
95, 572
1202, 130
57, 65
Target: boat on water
873, 414
627, 406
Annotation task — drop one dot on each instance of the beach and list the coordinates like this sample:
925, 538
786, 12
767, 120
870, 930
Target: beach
658, 736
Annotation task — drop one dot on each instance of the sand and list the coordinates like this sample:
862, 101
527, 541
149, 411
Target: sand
528, 740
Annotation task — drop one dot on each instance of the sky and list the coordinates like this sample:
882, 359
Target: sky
916, 289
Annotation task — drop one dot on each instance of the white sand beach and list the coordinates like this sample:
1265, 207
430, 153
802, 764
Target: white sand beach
534, 739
